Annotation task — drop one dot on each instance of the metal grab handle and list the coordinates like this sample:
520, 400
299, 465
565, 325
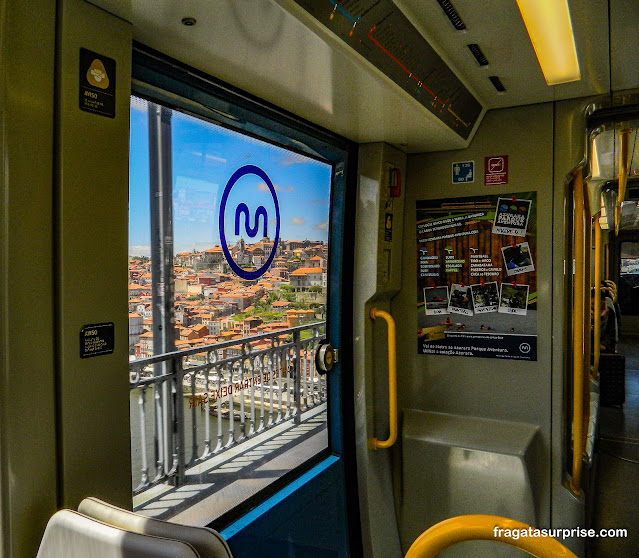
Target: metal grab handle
611, 287
392, 382
485, 528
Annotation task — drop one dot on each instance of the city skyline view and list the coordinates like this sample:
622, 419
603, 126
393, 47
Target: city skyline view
204, 157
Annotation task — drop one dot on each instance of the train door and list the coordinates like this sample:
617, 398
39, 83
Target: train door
259, 216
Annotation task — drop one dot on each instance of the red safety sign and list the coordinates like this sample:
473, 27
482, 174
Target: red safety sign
496, 170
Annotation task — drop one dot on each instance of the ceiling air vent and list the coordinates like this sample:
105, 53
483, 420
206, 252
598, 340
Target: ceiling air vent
478, 54
451, 13
497, 83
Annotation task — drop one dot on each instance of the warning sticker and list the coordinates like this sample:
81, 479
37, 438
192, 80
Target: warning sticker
97, 83
97, 339
496, 170
388, 228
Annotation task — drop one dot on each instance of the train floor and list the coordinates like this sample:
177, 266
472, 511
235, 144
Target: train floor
225, 480
616, 503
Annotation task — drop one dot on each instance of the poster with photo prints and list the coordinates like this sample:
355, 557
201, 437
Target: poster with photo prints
485, 297
436, 300
511, 216
513, 299
518, 258
457, 247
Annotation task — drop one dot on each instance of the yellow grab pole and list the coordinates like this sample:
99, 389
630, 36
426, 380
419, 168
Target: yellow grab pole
578, 334
392, 382
586, 314
597, 304
587, 294
486, 528
624, 144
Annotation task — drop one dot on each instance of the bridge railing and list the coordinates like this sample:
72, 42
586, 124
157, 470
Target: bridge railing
196, 403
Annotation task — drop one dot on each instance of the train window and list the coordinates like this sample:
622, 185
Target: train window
629, 278
228, 269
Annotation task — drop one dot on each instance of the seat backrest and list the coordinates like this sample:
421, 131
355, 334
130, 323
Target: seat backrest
207, 542
70, 534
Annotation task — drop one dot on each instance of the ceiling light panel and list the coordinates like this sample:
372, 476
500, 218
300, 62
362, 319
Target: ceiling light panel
550, 30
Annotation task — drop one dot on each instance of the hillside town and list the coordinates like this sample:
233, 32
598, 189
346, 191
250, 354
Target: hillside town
212, 304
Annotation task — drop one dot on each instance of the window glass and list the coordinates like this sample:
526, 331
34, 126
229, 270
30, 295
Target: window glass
239, 403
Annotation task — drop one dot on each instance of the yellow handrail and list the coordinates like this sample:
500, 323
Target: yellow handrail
587, 307
392, 382
597, 300
486, 528
578, 345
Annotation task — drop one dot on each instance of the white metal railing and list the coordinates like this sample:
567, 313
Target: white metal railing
246, 385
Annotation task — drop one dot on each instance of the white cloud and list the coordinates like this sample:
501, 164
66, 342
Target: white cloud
214, 158
297, 220
322, 226
139, 105
292, 158
140, 251
262, 187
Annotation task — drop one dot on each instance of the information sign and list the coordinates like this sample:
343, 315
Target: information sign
464, 172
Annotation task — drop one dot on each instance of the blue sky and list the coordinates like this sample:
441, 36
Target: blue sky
204, 158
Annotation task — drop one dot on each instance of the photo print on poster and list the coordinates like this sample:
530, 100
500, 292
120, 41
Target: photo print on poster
485, 297
511, 216
460, 301
436, 300
513, 299
517, 258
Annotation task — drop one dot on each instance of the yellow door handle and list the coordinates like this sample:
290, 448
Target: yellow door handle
392, 382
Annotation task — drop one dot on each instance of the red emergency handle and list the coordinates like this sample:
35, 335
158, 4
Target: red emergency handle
395, 183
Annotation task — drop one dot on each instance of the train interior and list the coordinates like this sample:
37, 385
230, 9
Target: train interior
430, 312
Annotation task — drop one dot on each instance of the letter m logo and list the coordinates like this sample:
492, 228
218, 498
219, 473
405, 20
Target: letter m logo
251, 231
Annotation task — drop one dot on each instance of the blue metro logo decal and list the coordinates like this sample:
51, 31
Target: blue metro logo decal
260, 215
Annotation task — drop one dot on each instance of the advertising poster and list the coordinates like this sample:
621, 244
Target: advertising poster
476, 276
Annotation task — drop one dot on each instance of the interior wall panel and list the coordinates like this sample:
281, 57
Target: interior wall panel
518, 391
91, 267
28, 487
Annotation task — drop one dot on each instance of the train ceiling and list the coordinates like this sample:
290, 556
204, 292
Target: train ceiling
278, 51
